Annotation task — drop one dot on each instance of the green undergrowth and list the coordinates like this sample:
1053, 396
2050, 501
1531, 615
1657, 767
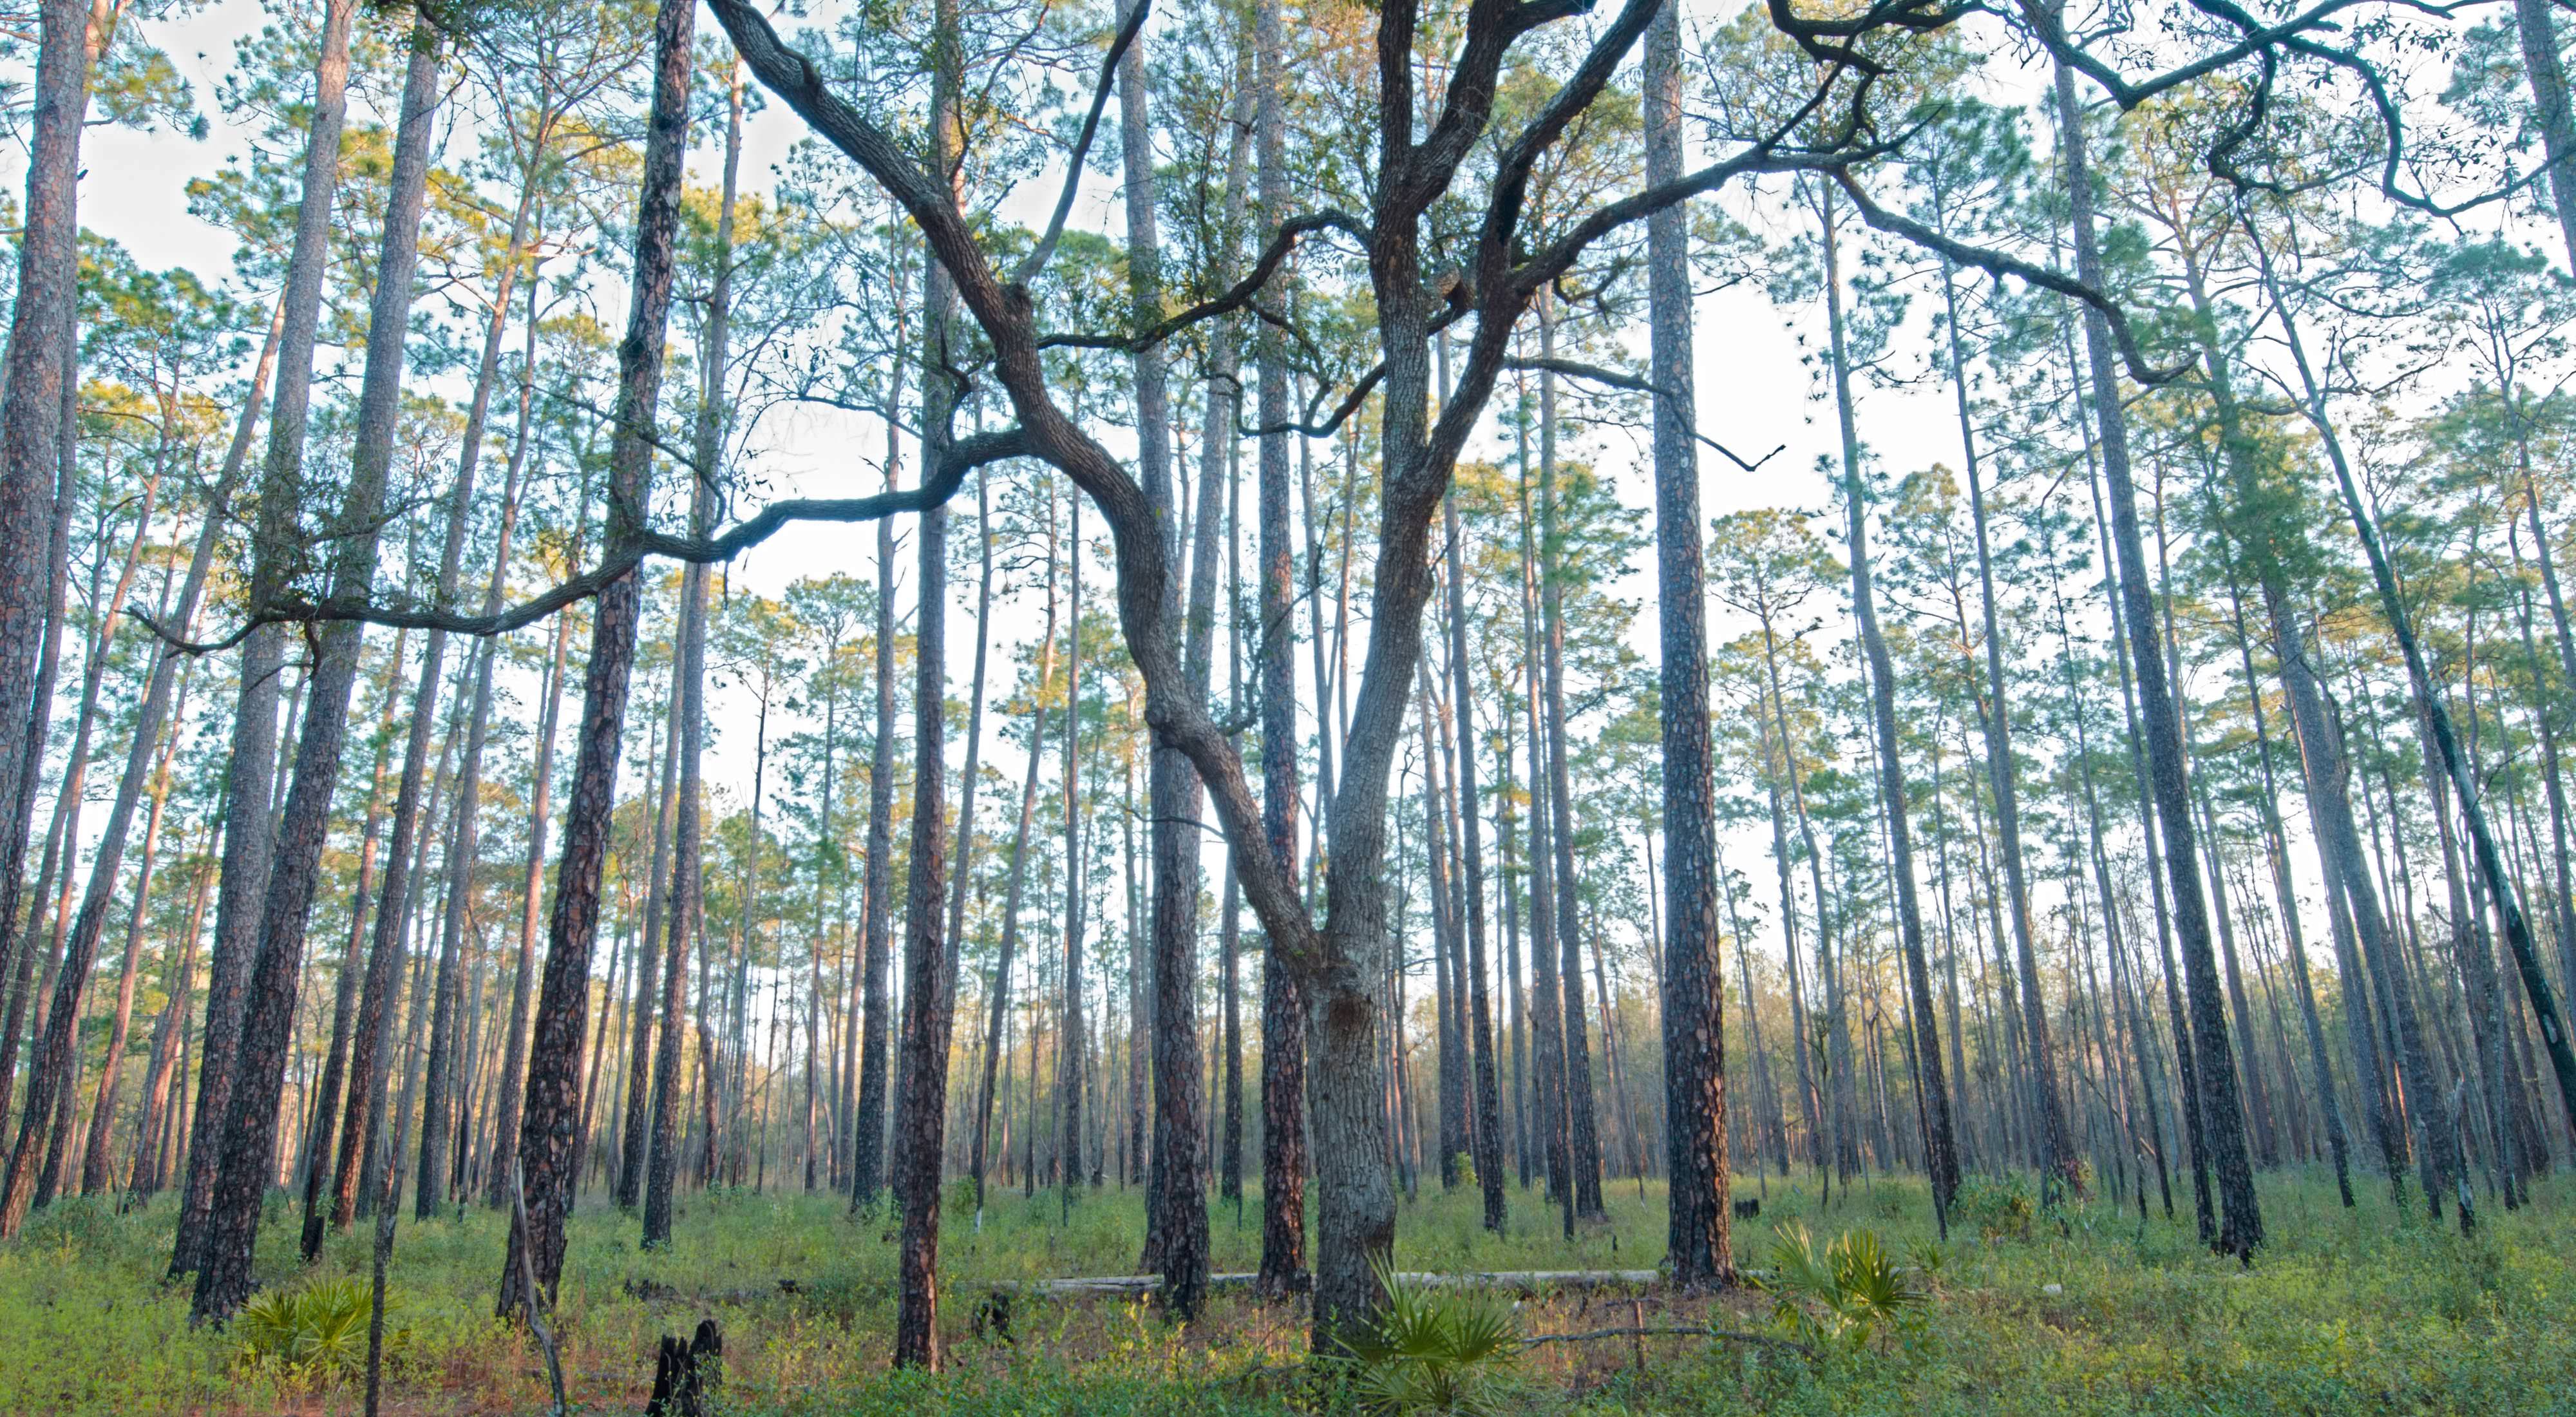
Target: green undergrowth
2085, 1310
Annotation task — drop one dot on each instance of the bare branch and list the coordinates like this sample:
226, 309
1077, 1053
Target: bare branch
1633, 383
1236, 297
1038, 255
2000, 264
963, 457
1349, 405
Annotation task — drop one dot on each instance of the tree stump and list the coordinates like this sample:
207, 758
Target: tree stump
687, 1370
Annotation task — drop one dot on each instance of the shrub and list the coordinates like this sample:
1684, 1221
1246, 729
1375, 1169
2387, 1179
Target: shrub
319, 1328
1436, 1351
1997, 1208
1842, 1298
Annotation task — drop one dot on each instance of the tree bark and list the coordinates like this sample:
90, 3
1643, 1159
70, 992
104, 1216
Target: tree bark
929, 994
353, 969
1940, 1140
685, 906
867, 1170
41, 380
2241, 1228
1284, 1040
502, 1182
1699, 1188
268, 1020
1583, 1142
250, 842
549, 1139
1074, 1042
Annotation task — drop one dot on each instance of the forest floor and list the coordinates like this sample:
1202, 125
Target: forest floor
2344, 1312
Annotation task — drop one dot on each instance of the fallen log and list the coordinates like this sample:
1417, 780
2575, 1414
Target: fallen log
1727, 1335
1524, 1282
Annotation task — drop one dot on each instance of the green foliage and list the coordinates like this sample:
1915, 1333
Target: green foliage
1436, 1350
1843, 1298
318, 1328
1996, 1207
2356, 1311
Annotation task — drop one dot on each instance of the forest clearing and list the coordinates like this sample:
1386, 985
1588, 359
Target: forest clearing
2350, 1312
1353, 706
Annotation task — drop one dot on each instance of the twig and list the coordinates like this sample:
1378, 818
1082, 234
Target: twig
537, 1325
386, 1208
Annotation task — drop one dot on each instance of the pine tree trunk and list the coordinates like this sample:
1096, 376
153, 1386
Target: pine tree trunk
97, 1177
2002, 777
685, 906
1285, 1042
1934, 1092
40, 381
2338, 1140
2326, 774
929, 998
2453, 764
1583, 1138
500, 1186
549, 1136
1699, 1185
867, 1170
1547, 1013
635, 1146
250, 842
353, 970
155, 1117
1229, 909
54, 1065
1017, 878
462, 834
250, 1132
2241, 1229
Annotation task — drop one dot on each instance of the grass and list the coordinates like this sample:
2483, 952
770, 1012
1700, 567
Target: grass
2362, 1311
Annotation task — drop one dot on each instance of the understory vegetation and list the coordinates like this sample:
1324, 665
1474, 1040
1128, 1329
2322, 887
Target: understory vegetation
2359, 1310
